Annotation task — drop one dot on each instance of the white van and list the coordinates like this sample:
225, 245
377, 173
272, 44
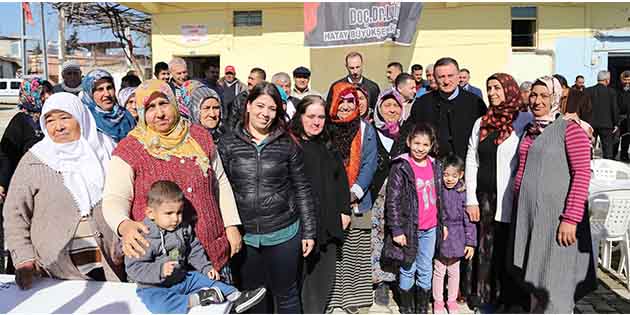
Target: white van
9, 91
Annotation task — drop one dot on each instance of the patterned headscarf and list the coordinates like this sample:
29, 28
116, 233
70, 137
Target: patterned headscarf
198, 96
555, 90
115, 123
500, 117
124, 95
30, 97
347, 131
183, 95
177, 140
389, 129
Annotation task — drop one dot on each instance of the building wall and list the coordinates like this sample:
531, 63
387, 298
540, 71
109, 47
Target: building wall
478, 35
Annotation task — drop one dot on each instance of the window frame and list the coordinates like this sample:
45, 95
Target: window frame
251, 15
535, 33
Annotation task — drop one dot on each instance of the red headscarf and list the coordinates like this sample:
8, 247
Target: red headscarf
347, 132
500, 117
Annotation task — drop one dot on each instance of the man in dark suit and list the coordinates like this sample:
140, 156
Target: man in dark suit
605, 120
464, 83
354, 65
624, 109
450, 109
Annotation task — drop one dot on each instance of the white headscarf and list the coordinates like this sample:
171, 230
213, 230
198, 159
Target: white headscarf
555, 88
82, 162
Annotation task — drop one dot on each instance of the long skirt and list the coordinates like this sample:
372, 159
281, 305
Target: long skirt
353, 281
558, 276
485, 278
380, 273
318, 277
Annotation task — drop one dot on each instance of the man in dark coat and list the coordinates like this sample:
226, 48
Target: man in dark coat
624, 109
354, 64
451, 110
236, 108
605, 120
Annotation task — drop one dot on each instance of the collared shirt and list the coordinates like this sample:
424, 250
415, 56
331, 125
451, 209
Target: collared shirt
350, 80
300, 95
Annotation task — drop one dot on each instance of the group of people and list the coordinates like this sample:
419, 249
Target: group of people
278, 199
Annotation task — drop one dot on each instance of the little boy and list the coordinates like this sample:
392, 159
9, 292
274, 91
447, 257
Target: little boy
164, 283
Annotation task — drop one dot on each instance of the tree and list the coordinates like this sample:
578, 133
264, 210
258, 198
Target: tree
120, 20
72, 43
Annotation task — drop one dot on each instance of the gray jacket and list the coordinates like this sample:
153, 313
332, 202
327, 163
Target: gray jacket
180, 245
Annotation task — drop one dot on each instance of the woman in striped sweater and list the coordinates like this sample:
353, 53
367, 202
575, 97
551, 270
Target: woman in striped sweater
551, 234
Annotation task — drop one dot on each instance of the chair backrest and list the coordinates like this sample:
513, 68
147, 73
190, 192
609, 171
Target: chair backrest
618, 217
604, 169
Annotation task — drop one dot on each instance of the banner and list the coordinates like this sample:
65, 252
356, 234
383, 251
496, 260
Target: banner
194, 33
334, 24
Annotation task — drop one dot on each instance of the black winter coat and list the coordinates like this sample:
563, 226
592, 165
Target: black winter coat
604, 103
401, 212
270, 187
17, 139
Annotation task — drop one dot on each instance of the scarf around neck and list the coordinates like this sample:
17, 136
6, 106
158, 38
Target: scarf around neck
115, 123
347, 131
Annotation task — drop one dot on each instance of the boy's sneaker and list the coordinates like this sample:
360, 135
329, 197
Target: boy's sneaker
438, 307
453, 307
209, 296
248, 299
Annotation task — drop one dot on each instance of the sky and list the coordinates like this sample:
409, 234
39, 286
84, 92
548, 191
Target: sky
10, 26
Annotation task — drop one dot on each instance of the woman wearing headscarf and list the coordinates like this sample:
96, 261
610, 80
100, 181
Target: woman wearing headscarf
112, 120
491, 163
127, 99
551, 234
22, 132
324, 170
205, 109
387, 122
265, 164
163, 146
356, 142
53, 220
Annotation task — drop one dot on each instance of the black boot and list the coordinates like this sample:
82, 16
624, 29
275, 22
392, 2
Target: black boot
406, 305
422, 300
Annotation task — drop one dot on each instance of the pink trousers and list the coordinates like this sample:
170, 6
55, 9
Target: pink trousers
441, 267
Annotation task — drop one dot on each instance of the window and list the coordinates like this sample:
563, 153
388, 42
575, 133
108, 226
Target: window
15, 85
3, 85
248, 18
524, 27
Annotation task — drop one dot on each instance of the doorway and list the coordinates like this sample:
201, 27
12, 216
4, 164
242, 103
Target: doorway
617, 63
198, 65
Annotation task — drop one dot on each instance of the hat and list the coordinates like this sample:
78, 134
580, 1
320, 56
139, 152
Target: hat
302, 72
70, 65
230, 69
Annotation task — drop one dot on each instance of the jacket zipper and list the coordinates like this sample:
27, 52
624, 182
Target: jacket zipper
256, 201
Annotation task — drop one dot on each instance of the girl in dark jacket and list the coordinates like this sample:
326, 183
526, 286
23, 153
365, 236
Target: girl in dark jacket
413, 217
325, 171
274, 198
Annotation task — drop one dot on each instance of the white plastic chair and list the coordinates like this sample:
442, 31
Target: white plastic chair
610, 219
609, 170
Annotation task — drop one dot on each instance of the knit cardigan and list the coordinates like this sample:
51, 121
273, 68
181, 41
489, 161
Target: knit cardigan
200, 202
41, 218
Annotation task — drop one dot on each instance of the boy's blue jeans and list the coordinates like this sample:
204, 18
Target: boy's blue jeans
423, 265
174, 299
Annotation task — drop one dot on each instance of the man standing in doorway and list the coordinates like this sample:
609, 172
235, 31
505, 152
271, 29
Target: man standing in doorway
624, 109
451, 110
71, 74
179, 74
354, 65
579, 83
605, 113
212, 76
464, 78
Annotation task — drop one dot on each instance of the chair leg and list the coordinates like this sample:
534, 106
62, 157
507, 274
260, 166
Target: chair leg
606, 255
626, 259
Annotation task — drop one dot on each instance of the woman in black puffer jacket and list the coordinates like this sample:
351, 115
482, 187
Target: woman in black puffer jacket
274, 199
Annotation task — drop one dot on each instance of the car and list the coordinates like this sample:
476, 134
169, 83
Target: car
9, 91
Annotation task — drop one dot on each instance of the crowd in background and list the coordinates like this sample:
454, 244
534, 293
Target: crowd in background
281, 199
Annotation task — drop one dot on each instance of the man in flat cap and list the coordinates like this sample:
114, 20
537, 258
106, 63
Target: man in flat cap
302, 76
71, 75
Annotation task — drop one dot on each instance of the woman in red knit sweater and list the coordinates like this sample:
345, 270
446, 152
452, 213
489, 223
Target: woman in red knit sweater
165, 147
551, 232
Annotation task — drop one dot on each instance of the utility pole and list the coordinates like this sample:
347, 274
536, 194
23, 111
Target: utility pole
23, 42
61, 35
41, 6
